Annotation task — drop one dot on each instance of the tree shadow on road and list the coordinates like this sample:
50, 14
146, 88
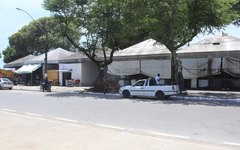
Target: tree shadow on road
222, 95
83, 95
206, 102
171, 101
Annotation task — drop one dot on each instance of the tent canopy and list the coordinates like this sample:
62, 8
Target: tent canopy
147, 47
213, 46
25, 69
147, 57
19, 62
53, 57
205, 58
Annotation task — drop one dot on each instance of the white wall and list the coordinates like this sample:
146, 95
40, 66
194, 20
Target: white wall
87, 73
75, 71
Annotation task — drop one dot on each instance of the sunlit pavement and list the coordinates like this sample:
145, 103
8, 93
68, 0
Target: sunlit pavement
23, 131
19, 131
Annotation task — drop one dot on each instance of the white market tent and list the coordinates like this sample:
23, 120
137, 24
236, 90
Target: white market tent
205, 58
19, 62
214, 45
211, 56
146, 48
33, 63
53, 57
148, 57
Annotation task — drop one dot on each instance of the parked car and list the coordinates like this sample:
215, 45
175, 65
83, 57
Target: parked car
148, 88
5, 83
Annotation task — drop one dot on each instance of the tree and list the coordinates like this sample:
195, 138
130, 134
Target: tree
114, 24
9, 54
102, 23
236, 8
30, 39
174, 23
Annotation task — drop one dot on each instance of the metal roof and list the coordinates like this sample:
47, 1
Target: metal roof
19, 62
218, 45
147, 47
53, 57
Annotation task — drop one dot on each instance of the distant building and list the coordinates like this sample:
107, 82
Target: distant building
30, 69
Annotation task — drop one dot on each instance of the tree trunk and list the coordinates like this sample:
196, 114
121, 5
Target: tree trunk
102, 84
102, 73
105, 68
176, 71
174, 67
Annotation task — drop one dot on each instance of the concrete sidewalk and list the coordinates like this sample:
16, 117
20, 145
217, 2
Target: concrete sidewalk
28, 132
54, 88
192, 94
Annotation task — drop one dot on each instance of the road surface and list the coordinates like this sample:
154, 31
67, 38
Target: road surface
207, 121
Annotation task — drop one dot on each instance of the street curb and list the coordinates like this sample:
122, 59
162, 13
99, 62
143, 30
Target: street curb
204, 98
118, 95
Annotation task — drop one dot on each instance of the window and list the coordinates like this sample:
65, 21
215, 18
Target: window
139, 83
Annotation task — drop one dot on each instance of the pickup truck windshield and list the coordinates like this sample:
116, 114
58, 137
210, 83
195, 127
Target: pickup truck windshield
139, 83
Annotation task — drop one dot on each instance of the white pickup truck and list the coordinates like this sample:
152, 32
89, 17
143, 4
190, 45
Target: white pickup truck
148, 88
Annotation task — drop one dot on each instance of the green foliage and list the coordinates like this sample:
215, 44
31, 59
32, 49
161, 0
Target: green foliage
41, 34
174, 23
102, 24
9, 54
236, 8
118, 24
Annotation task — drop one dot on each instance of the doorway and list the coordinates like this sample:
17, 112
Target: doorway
66, 76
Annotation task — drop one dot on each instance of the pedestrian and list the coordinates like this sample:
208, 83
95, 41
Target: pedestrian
157, 79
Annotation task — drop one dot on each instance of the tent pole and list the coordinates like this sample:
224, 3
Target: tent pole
140, 66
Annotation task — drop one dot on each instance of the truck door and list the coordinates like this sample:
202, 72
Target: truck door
150, 87
138, 88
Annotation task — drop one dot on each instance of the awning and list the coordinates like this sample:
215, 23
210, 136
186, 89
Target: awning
65, 70
25, 69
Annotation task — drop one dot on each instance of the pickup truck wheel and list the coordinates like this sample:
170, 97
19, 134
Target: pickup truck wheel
160, 95
126, 94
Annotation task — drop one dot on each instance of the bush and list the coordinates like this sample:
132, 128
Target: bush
105, 86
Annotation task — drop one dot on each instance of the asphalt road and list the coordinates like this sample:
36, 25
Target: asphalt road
210, 121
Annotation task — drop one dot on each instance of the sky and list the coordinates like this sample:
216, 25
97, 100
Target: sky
13, 20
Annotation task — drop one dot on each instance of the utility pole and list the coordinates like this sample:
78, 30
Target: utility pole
46, 46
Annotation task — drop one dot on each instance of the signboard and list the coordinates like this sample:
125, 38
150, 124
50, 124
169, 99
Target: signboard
6, 73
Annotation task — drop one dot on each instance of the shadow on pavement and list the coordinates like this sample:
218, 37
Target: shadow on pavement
205, 102
82, 95
171, 101
222, 95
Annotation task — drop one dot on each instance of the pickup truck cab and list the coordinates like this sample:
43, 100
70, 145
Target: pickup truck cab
148, 88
